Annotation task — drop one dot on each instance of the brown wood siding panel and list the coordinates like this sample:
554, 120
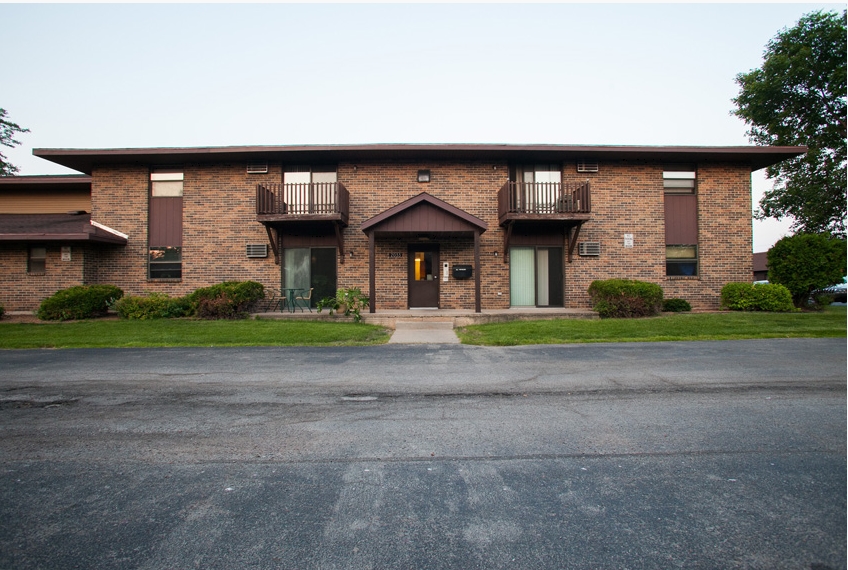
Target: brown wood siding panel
553, 239
290, 241
44, 203
681, 219
166, 222
424, 218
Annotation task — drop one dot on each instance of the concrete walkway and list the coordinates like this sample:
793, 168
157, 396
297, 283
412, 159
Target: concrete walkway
426, 332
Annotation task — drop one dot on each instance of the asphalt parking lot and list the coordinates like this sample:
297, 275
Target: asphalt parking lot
656, 455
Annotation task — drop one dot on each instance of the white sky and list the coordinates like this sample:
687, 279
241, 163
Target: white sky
119, 76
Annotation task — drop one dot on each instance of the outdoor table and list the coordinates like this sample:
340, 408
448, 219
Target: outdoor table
290, 293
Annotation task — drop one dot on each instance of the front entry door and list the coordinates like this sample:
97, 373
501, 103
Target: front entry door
424, 276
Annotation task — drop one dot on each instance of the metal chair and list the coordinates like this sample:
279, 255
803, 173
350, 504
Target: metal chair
273, 299
306, 300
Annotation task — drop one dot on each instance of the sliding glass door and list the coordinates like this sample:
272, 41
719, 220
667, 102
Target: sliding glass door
535, 277
311, 268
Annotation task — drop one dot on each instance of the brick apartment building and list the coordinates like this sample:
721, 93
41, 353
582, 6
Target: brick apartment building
450, 226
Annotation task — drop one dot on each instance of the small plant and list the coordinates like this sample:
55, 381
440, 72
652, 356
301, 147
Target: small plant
347, 301
625, 298
227, 300
676, 306
2, 310
154, 306
759, 297
80, 302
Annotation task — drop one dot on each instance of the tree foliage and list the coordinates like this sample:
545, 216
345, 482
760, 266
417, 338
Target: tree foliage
797, 97
806, 262
7, 138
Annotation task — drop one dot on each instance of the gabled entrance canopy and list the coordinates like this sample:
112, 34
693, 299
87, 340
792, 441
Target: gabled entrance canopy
419, 217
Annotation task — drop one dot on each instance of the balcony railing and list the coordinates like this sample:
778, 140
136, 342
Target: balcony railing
318, 200
543, 199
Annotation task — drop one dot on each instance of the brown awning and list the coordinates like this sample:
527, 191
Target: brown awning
56, 228
424, 214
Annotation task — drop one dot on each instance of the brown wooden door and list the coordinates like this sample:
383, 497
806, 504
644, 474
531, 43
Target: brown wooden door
424, 275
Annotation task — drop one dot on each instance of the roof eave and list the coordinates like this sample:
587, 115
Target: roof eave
85, 160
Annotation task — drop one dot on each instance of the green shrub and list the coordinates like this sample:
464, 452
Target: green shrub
625, 298
804, 263
154, 306
348, 301
2, 310
676, 305
760, 297
228, 300
80, 302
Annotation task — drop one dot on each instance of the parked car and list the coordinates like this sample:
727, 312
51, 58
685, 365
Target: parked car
838, 291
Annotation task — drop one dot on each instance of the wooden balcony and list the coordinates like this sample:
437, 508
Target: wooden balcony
313, 202
544, 202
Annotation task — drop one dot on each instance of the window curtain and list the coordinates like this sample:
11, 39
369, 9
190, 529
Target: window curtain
522, 277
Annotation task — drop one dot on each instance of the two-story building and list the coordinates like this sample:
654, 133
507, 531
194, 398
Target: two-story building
449, 226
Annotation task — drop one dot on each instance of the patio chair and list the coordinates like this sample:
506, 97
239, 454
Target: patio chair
305, 300
273, 300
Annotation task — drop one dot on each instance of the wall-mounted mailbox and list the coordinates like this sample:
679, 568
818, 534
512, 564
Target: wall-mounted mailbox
462, 272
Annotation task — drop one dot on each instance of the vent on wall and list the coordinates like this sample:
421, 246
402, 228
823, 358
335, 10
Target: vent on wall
587, 166
589, 248
257, 167
257, 250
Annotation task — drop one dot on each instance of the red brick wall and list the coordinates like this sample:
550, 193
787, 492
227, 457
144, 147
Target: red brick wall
219, 220
20, 291
628, 199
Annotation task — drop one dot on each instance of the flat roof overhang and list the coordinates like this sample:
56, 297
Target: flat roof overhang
85, 160
66, 228
46, 182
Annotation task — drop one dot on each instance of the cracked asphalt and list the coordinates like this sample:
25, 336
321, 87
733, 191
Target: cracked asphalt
654, 455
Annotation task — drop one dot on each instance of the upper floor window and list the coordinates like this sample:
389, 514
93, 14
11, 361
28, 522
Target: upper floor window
166, 183
679, 181
537, 187
538, 173
309, 190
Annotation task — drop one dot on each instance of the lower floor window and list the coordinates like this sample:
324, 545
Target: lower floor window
535, 277
166, 263
313, 268
681, 260
37, 260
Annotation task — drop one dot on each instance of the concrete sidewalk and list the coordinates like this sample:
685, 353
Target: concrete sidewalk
426, 332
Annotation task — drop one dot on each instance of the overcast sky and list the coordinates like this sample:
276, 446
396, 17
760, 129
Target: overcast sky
120, 76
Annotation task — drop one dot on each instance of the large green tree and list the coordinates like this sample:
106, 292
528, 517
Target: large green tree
7, 138
797, 97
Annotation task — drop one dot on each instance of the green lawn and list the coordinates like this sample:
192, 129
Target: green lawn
685, 326
184, 332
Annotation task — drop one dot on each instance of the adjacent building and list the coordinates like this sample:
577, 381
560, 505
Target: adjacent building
447, 226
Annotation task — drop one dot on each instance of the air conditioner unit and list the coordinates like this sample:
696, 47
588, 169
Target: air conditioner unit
587, 166
589, 248
257, 250
257, 167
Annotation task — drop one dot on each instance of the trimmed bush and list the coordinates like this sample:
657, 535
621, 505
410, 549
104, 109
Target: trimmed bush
625, 298
154, 306
80, 302
676, 306
805, 263
2, 310
227, 300
759, 297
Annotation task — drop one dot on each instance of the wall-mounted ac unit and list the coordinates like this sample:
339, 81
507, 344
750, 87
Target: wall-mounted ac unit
257, 250
589, 248
587, 165
257, 167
